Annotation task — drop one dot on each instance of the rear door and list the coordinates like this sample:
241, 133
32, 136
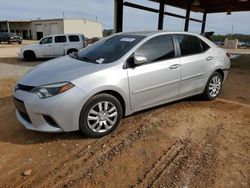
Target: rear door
195, 57
156, 81
60, 44
75, 42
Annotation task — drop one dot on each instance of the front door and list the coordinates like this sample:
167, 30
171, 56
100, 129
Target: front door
157, 80
46, 48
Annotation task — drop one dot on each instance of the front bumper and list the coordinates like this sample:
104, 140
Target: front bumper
64, 109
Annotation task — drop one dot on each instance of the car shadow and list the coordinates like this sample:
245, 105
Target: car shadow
14, 133
195, 98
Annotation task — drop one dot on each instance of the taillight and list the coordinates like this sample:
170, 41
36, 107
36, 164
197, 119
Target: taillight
228, 55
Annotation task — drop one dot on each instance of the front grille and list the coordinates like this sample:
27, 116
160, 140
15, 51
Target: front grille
24, 87
25, 116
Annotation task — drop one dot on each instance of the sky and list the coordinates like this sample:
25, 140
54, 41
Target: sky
103, 11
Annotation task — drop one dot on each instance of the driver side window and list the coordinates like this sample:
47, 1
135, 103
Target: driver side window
46, 40
157, 48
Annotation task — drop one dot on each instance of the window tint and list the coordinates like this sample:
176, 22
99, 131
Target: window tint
74, 38
189, 45
110, 49
204, 45
59, 39
83, 38
157, 48
46, 40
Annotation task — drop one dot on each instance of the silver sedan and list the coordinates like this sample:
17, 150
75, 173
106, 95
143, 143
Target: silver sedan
128, 72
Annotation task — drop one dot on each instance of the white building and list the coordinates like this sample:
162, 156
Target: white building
36, 29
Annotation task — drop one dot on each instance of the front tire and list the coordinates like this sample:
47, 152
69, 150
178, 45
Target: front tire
29, 55
100, 115
213, 86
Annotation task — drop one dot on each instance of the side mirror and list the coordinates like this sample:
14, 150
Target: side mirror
138, 60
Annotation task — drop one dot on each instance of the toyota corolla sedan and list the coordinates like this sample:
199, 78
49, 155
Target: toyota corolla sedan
93, 89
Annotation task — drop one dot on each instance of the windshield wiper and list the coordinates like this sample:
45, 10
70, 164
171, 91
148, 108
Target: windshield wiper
86, 59
76, 56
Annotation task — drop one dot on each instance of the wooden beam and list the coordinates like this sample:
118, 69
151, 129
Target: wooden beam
187, 18
203, 22
161, 15
133, 5
118, 15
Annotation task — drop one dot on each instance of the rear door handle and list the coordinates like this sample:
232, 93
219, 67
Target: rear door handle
175, 66
209, 58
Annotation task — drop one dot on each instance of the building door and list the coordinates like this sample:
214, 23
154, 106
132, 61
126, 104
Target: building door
39, 35
54, 29
39, 31
25, 34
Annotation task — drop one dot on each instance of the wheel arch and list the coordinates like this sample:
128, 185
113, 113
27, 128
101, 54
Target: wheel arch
220, 71
29, 50
116, 95
73, 49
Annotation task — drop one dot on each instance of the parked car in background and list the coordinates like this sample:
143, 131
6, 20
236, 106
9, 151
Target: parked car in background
219, 43
93, 89
10, 38
53, 46
247, 44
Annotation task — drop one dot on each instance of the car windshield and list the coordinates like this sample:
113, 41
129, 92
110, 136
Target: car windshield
109, 50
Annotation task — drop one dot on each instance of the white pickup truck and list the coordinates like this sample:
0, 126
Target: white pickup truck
53, 46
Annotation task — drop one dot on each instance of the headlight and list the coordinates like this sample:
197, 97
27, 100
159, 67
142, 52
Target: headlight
11, 37
52, 89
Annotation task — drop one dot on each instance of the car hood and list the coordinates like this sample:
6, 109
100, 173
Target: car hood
59, 70
30, 46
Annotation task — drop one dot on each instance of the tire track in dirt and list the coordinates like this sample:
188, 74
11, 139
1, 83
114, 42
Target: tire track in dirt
203, 172
172, 158
84, 157
103, 157
184, 164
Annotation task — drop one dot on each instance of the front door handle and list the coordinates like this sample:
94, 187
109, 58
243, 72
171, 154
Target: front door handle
209, 58
175, 66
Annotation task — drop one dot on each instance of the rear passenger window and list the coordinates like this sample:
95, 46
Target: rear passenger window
74, 38
204, 45
189, 45
157, 48
59, 39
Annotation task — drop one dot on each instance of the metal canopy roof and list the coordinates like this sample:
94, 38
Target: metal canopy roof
210, 6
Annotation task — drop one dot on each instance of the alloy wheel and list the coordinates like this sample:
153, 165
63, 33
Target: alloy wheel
102, 116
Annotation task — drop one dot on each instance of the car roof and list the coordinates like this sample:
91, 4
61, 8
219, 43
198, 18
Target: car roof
159, 32
150, 33
61, 34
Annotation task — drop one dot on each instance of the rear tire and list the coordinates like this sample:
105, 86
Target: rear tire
213, 86
71, 51
29, 55
100, 115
